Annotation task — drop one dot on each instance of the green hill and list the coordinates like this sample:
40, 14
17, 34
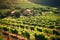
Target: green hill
19, 3
27, 4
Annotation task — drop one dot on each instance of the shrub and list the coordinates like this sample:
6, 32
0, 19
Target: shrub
5, 29
43, 25
39, 37
53, 38
22, 26
34, 13
8, 13
2, 15
32, 28
27, 27
51, 26
14, 31
17, 14
39, 25
22, 10
48, 31
17, 7
56, 32
26, 34
58, 27
56, 12
34, 24
40, 30
57, 23
45, 10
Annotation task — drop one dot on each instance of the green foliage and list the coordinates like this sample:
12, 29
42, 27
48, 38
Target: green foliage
58, 27
48, 31
40, 30
51, 26
26, 34
16, 14
39, 37
41, 25
1, 38
53, 38
14, 31
56, 32
22, 26
5, 29
32, 28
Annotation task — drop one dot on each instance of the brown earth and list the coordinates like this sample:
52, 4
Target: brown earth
10, 36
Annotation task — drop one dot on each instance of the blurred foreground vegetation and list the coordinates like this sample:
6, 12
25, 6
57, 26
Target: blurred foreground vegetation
40, 24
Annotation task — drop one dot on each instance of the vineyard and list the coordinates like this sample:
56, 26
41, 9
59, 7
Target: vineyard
44, 25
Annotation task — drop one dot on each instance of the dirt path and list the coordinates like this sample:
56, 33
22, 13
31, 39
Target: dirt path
10, 36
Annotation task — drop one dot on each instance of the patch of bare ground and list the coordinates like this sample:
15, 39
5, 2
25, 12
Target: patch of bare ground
10, 36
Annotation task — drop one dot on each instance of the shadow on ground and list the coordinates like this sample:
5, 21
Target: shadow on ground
52, 3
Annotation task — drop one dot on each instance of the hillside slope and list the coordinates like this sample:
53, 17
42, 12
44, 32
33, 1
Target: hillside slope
23, 3
38, 3
27, 4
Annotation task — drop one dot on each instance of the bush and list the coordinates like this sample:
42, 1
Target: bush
39, 37
17, 7
26, 34
56, 32
40, 30
14, 31
5, 14
22, 26
58, 27
27, 27
1, 15
57, 23
48, 31
34, 24
8, 13
5, 29
53, 38
43, 25
32, 28
45, 10
51, 26
56, 12
17, 14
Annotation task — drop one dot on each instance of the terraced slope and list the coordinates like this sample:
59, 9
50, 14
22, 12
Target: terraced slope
27, 4
38, 3
44, 27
